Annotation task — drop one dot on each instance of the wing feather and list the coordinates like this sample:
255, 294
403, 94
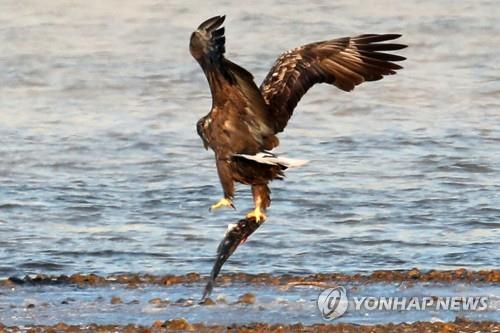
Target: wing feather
238, 121
207, 44
344, 62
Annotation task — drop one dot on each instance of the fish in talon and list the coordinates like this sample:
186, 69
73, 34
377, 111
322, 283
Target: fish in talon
236, 234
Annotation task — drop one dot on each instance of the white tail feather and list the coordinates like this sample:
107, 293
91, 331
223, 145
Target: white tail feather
268, 158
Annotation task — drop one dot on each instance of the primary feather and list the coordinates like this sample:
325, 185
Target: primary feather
344, 62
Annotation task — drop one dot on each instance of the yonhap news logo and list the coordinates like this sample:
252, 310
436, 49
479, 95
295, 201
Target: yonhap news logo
425, 303
334, 302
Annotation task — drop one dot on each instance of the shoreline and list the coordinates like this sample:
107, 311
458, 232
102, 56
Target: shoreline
243, 302
181, 325
413, 275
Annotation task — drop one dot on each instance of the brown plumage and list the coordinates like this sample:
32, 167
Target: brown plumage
245, 119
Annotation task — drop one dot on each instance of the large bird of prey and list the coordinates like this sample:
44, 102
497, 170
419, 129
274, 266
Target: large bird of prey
242, 125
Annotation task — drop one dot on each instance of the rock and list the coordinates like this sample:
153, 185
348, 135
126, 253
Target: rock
493, 276
449, 327
171, 279
414, 273
7, 283
179, 324
192, 277
91, 279
158, 302
67, 300
40, 278
116, 300
132, 328
61, 326
184, 302
208, 301
62, 279
133, 279
461, 273
15, 280
275, 281
247, 298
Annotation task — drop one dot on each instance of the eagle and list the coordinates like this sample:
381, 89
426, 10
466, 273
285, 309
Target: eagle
244, 121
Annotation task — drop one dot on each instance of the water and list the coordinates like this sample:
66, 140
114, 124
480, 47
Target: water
101, 169
77, 305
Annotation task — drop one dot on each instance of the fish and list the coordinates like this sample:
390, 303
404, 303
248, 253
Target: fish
236, 234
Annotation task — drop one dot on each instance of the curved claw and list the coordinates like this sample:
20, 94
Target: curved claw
224, 202
257, 214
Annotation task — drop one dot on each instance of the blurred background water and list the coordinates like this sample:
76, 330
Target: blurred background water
101, 169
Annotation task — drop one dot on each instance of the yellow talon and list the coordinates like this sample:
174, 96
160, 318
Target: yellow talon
257, 214
224, 202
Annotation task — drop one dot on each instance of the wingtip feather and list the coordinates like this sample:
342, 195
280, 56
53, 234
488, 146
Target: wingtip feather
212, 23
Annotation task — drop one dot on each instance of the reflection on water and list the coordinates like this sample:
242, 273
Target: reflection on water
101, 169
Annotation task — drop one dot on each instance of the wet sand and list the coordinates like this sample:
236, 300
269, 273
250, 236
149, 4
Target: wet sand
181, 325
242, 302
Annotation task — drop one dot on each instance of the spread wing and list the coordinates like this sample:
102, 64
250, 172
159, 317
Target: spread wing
344, 62
207, 43
239, 121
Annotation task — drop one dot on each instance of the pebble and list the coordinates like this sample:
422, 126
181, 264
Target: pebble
208, 301
247, 298
159, 302
116, 300
414, 273
157, 324
179, 324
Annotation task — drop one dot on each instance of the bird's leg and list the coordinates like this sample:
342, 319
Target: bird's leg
261, 200
226, 180
224, 202
258, 213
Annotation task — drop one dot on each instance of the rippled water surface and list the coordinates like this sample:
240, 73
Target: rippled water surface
144, 305
101, 169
